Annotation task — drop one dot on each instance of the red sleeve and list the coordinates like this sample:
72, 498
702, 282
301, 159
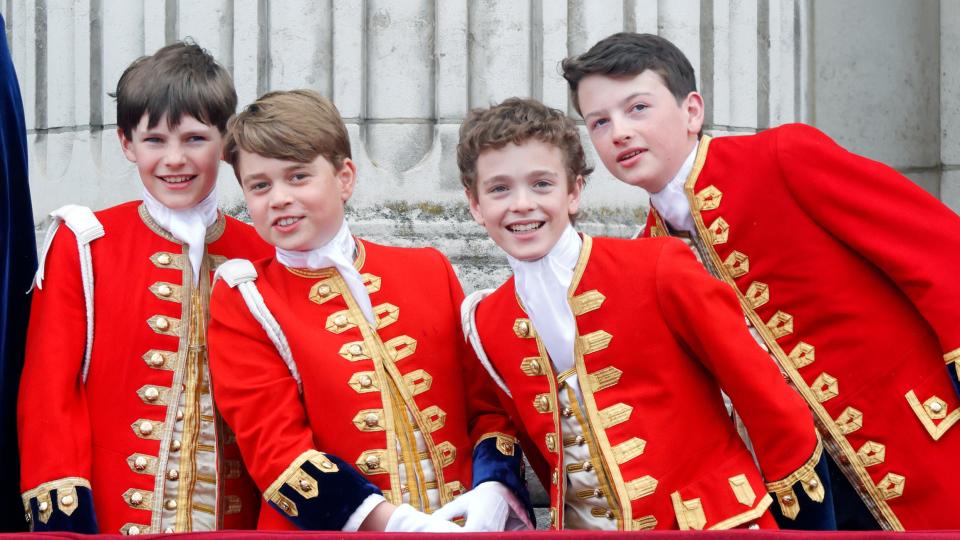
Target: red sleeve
254, 390
898, 227
705, 316
52, 418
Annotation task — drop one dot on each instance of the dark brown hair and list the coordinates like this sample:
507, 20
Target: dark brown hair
292, 125
516, 121
179, 79
628, 54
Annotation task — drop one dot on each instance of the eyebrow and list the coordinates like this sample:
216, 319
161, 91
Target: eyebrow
621, 103
258, 175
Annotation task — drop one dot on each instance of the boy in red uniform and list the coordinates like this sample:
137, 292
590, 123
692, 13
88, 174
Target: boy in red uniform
118, 432
613, 353
339, 362
846, 269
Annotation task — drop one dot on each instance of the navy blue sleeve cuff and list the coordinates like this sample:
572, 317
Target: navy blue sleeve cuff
500, 459
63, 505
800, 509
319, 492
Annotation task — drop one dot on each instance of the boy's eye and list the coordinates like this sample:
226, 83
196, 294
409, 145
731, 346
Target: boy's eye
298, 176
258, 186
152, 139
599, 122
543, 183
196, 138
498, 188
639, 107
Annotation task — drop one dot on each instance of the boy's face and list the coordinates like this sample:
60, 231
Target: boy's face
639, 131
523, 198
295, 206
177, 166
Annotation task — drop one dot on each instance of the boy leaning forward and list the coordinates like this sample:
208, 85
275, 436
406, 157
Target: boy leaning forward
612, 354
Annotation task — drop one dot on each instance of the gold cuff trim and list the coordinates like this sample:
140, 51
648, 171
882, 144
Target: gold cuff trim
317, 458
689, 513
46, 487
505, 443
804, 472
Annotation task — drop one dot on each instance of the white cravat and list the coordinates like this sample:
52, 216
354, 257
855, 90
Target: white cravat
671, 201
337, 253
542, 286
188, 225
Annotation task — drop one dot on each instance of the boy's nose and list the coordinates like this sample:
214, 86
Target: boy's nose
620, 133
175, 156
522, 200
279, 197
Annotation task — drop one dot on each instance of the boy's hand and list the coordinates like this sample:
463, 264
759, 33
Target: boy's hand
406, 519
489, 507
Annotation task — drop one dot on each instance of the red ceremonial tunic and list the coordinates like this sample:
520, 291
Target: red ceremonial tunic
849, 272
367, 394
656, 340
115, 434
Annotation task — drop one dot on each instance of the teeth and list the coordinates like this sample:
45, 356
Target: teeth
524, 227
630, 155
176, 179
283, 222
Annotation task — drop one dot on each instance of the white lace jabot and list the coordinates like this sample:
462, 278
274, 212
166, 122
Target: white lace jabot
188, 225
671, 201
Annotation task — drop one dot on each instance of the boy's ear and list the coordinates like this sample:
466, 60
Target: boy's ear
127, 146
575, 192
346, 178
474, 206
693, 106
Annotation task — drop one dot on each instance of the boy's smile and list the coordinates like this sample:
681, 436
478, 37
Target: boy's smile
639, 131
523, 198
295, 206
177, 166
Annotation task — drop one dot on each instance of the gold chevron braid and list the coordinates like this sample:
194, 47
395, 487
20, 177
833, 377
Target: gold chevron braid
836, 444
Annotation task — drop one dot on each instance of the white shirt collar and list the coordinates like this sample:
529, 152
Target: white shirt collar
188, 225
671, 202
338, 253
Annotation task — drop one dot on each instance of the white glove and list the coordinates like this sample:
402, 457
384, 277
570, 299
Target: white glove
407, 519
489, 507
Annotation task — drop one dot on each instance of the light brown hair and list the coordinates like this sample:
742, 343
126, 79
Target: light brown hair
179, 79
516, 121
292, 125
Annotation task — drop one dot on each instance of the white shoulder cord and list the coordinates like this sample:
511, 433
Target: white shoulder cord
241, 275
468, 319
87, 228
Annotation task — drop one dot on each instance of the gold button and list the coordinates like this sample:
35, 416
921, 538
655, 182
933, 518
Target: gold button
136, 498
283, 505
787, 499
579, 439
356, 349
28, 517
373, 462
179, 414
151, 394
365, 381
43, 506
173, 474
567, 411
140, 463
587, 466
66, 500
535, 366
304, 485
598, 492
523, 328
168, 530
145, 428
133, 531
323, 290
813, 483
156, 359
341, 320
936, 407
164, 259
371, 420
175, 445
163, 323
543, 402
164, 290
610, 514
170, 504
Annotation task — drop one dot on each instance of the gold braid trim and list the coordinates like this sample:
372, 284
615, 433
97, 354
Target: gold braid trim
290, 471
952, 356
495, 435
745, 517
60, 483
801, 474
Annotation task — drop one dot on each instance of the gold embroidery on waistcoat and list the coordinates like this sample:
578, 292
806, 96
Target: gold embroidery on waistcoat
418, 381
758, 294
737, 264
604, 378
628, 450
742, 490
891, 485
926, 414
719, 231
781, 324
586, 302
849, 420
872, 453
234, 505
825, 387
802, 355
